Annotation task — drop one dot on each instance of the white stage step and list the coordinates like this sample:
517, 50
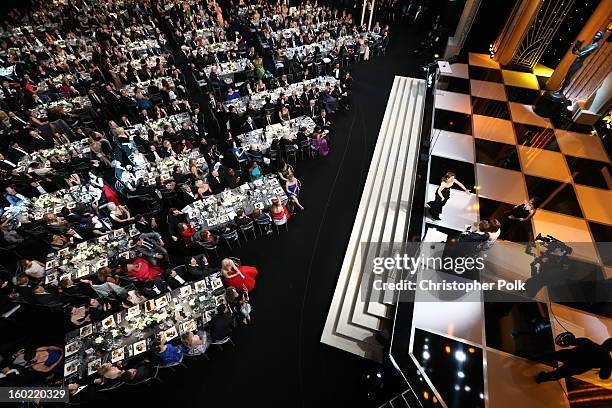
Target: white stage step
357, 314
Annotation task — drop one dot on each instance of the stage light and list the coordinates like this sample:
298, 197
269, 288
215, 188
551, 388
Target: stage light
472, 350
481, 395
434, 400
460, 374
426, 395
460, 356
425, 347
457, 387
426, 355
436, 55
467, 388
447, 349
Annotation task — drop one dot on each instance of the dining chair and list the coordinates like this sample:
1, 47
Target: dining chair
264, 226
250, 227
230, 236
280, 222
220, 343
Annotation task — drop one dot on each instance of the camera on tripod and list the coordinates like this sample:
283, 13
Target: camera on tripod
555, 255
553, 246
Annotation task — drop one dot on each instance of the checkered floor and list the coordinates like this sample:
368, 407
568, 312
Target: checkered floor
486, 132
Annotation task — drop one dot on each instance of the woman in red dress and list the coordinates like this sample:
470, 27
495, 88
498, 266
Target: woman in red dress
187, 232
279, 212
238, 276
142, 270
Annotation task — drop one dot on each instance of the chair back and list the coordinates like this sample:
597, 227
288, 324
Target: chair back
230, 236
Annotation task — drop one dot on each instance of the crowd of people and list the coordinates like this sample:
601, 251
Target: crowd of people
92, 92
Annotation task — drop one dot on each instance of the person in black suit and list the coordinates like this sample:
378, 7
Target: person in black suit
249, 125
322, 121
215, 182
198, 267
35, 141
7, 164
17, 123
15, 151
313, 110
176, 277
222, 324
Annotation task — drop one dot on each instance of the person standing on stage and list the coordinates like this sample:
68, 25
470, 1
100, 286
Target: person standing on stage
443, 194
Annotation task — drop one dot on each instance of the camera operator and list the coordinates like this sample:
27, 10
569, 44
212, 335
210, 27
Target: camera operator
550, 266
585, 356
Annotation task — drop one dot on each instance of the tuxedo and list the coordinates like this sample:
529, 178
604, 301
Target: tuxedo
216, 184
247, 127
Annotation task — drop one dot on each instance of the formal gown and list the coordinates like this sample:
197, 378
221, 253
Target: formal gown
147, 271
248, 282
435, 207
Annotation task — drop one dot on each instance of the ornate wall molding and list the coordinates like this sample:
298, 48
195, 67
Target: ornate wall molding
538, 36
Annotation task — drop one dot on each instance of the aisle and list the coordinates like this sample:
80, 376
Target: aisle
279, 358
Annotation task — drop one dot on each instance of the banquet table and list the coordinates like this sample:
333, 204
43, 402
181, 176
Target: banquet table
144, 85
157, 125
258, 99
228, 68
260, 139
42, 156
85, 258
129, 333
71, 105
220, 209
68, 197
165, 168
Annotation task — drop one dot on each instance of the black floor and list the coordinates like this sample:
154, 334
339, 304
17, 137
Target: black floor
279, 358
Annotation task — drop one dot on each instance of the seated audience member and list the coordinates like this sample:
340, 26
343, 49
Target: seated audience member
167, 353
194, 344
198, 267
279, 212
142, 270
222, 324
263, 219
238, 300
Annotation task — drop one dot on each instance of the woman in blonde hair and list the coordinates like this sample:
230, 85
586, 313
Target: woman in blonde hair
238, 276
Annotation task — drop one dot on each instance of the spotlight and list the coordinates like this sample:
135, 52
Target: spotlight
447, 349
426, 355
460, 356
472, 350
481, 395
436, 55
425, 347
457, 387
467, 388
460, 374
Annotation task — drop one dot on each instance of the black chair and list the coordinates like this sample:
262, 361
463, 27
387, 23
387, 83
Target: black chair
208, 247
291, 152
231, 236
264, 226
245, 228
305, 147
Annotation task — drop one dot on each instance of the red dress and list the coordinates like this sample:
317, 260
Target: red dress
248, 282
279, 216
147, 271
187, 234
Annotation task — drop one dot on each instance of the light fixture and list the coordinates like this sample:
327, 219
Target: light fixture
460, 356
426, 355
447, 349
425, 347
467, 388
460, 374
481, 395
457, 387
